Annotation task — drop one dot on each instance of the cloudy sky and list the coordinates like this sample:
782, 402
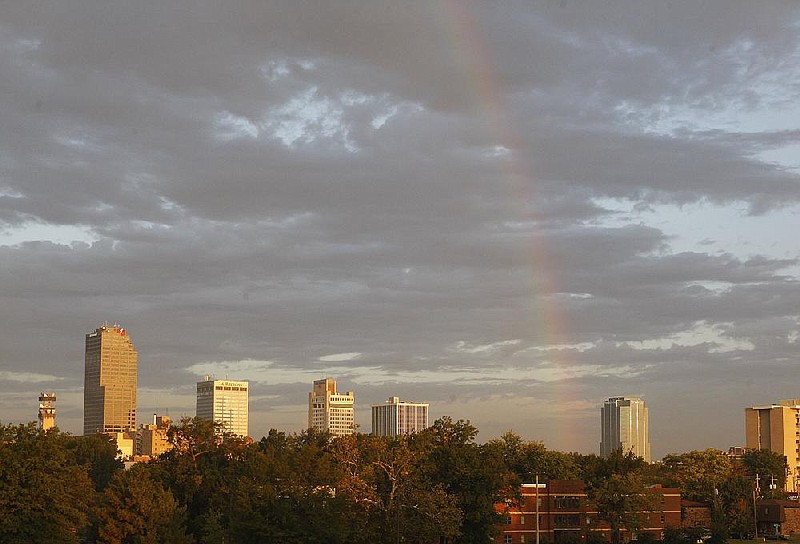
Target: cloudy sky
512, 211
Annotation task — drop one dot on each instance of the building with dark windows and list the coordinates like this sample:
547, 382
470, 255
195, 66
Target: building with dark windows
561, 511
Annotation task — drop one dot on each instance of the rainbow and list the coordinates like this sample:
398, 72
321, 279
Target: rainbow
471, 53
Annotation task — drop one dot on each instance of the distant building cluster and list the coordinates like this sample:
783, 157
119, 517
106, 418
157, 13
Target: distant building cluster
552, 511
109, 401
110, 383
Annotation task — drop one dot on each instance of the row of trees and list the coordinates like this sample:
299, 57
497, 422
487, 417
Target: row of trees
310, 488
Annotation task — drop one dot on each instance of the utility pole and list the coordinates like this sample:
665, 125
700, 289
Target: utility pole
756, 490
537, 509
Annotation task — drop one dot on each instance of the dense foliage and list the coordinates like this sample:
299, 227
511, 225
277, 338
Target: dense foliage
437, 485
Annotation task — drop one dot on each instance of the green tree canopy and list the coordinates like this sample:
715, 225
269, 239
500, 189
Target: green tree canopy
44, 493
769, 467
699, 474
530, 459
623, 501
136, 509
98, 454
476, 476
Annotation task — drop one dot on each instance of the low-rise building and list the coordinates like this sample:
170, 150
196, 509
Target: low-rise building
561, 510
778, 517
126, 444
152, 439
695, 515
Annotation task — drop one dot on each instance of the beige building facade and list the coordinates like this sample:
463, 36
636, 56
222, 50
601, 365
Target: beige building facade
225, 402
126, 445
47, 411
776, 427
330, 411
625, 426
109, 387
396, 417
152, 439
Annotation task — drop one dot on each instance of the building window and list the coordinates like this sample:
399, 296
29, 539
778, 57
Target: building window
522, 520
566, 520
522, 539
508, 519
567, 503
507, 539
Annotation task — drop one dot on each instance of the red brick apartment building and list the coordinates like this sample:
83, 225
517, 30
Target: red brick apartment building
566, 514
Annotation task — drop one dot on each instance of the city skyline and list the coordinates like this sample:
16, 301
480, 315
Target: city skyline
510, 212
616, 410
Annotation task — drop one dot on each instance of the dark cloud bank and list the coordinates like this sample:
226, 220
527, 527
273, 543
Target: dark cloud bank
424, 188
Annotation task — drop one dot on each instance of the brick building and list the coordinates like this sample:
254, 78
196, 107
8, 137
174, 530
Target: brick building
695, 514
566, 514
778, 517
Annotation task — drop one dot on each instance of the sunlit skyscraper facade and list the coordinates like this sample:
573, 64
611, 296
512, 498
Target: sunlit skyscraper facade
225, 402
397, 417
329, 410
109, 386
776, 427
624, 426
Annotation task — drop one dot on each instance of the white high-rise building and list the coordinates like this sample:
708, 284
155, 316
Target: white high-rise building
329, 410
225, 402
396, 417
624, 426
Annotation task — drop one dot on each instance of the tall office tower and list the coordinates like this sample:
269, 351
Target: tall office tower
396, 417
109, 387
776, 427
225, 402
47, 411
624, 426
329, 411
